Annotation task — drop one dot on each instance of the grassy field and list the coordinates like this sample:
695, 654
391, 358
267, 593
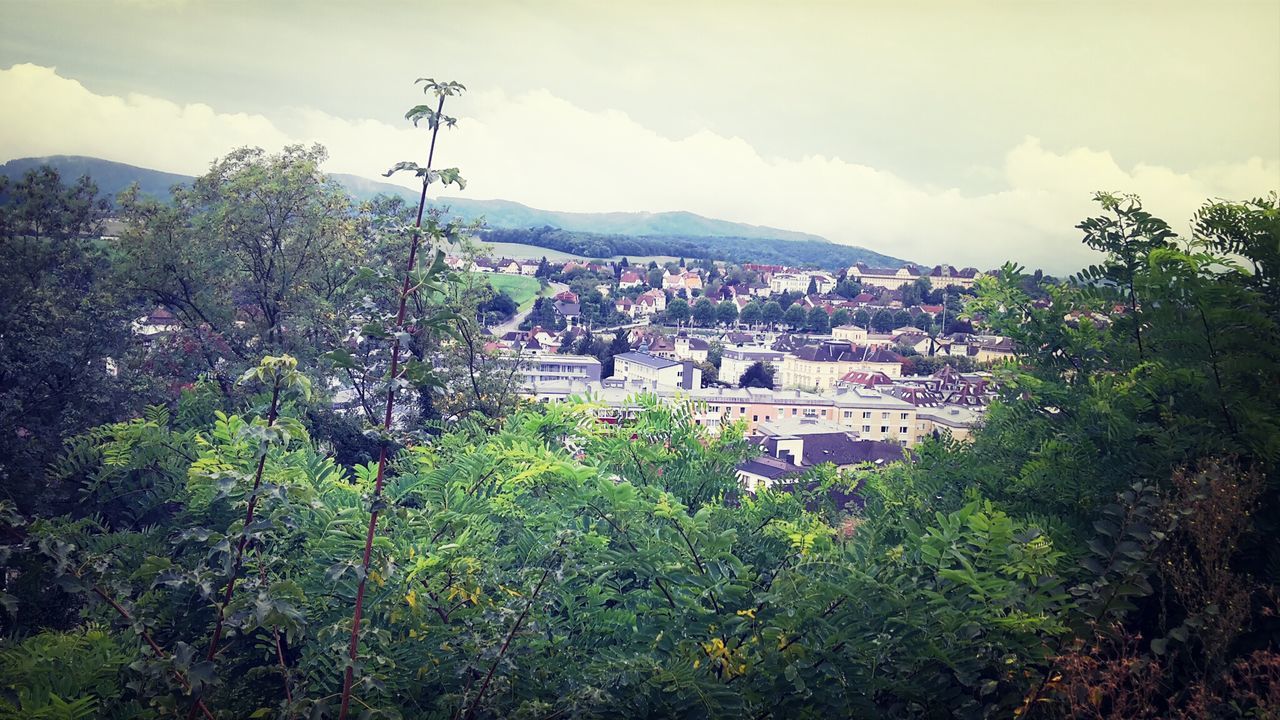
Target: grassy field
522, 288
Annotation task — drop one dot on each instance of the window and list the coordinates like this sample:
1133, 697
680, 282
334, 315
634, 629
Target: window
866, 428
793, 411
848, 413
742, 410
884, 429
811, 412
866, 415
904, 429
884, 416
755, 418
904, 416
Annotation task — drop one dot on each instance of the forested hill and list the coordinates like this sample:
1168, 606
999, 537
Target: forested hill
808, 253
588, 234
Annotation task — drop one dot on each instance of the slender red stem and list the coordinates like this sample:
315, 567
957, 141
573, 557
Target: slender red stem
348, 678
240, 546
155, 646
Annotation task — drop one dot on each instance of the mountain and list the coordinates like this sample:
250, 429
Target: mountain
111, 177
681, 232
508, 214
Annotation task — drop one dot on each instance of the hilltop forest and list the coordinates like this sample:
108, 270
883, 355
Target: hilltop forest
193, 526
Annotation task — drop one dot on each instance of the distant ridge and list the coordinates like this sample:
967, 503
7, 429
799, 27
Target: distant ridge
510, 214
113, 177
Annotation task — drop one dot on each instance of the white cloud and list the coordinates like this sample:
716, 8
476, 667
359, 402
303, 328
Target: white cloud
544, 151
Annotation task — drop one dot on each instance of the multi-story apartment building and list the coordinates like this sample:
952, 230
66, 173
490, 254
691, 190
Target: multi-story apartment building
820, 367
539, 368
876, 416
651, 370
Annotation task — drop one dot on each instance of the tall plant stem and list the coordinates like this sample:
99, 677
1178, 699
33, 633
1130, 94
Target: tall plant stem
244, 541
506, 643
353, 649
155, 646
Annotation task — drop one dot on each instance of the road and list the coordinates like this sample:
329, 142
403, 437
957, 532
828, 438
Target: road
514, 322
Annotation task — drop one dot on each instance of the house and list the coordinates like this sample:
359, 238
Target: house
650, 303
158, 322
625, 306
630, 279
691, 348
570, 311
850, 333
790, 447
507, 267
568, 296
529, 268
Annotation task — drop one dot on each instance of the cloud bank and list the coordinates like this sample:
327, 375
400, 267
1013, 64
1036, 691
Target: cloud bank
542, 150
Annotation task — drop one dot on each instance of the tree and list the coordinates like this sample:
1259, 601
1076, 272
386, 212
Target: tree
678, 311
752, 314
796, 317
848, 289
772, 313
882, 321
655, 278
786, 299
727, 313
840, 317
544, 268
819, 322
862, 318
916, 292
901, 318
758, 375
63, 327
284, 243
924, 321
813, 286
704, 313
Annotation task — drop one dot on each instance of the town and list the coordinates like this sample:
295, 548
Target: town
845, 367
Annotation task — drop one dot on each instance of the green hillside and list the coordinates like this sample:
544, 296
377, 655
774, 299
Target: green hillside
680, 234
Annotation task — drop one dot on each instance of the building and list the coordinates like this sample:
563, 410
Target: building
734, 361
652, 371
798, 282
790, 447
539, 368
876, 415
893, 278
691, 348
850, 334
820, 367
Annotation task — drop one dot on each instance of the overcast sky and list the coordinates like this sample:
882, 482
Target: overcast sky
968, 133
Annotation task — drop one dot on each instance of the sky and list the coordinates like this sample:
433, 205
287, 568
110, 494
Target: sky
963, 132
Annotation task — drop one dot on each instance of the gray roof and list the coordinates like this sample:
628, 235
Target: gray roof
646, 359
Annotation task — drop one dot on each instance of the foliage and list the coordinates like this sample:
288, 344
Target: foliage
1101, 547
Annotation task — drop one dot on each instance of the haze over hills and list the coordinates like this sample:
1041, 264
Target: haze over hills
686, 233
